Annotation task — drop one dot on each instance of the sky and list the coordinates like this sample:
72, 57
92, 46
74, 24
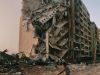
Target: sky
9, 24
10, 12
93, 7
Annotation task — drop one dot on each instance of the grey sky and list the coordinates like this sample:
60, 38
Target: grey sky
94, 9
9, 24
10, 11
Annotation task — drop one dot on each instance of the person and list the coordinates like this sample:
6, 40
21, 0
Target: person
66, 69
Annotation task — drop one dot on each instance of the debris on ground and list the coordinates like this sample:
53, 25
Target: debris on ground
15, 65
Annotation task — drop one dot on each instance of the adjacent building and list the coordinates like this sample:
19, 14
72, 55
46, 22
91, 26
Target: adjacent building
98, 45
82, 28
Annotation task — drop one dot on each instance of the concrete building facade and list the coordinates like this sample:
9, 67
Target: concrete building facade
82, 28
82, 33
98, 45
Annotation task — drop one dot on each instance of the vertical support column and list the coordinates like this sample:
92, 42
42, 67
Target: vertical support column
42, 1
72, 22
95, 48
71, 17
47, 44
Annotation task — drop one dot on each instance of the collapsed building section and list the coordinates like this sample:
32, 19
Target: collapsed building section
50, 21
56, 29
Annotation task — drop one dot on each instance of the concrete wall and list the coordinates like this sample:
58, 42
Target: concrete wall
26, 39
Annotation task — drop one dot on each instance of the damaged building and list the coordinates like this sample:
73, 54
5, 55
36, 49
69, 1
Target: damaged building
56, 29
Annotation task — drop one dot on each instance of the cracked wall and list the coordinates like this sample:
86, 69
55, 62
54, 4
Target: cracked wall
26, 38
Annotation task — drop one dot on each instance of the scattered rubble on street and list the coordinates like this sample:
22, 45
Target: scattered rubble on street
91, 69
13, 65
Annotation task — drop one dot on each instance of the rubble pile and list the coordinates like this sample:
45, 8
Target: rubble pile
19, 64
13, 63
